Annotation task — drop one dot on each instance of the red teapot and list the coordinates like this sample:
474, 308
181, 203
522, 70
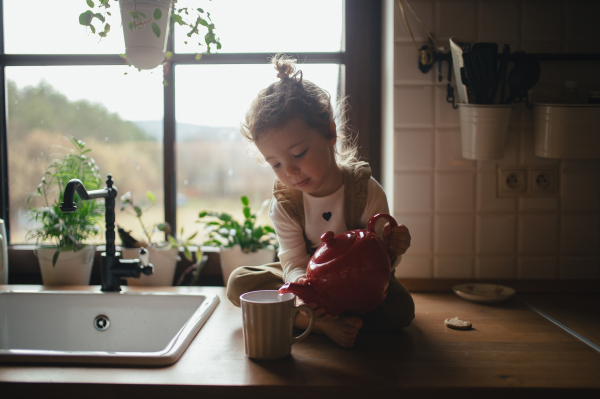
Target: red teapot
348, 272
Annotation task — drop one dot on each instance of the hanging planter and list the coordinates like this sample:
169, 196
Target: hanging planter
145, 28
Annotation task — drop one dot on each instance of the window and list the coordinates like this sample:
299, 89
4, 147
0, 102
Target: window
133, 123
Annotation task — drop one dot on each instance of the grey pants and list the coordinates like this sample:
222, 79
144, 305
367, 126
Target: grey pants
395, 312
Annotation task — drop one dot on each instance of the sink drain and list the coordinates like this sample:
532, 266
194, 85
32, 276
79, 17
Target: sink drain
101, 322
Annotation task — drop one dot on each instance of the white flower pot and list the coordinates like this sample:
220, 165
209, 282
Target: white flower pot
143, 49
164, 261
71, 268
234, 257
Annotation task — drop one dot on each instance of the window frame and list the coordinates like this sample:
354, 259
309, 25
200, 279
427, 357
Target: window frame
359, 58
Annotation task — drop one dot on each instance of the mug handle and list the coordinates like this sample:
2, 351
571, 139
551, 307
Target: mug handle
310, 326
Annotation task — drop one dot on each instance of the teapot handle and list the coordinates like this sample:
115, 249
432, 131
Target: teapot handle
373, 221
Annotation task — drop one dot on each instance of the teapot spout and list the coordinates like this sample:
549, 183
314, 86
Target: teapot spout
309, 294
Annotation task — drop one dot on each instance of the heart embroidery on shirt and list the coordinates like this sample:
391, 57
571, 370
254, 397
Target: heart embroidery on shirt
327, 216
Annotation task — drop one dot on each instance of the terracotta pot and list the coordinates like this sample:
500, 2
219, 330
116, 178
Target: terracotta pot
348, 272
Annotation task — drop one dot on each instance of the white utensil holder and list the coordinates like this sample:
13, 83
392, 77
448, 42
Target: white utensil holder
567, 131
483, 130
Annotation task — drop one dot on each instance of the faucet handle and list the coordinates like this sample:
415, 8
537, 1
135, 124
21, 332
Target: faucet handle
144, 256
146, 267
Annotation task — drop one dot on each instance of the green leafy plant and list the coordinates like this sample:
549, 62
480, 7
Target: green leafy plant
67, 231
128, 241
193, 18
224, 231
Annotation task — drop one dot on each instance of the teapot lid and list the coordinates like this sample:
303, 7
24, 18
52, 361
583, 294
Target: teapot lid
333, 246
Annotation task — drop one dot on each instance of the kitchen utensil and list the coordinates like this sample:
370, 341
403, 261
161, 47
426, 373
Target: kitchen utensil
479, 74
348, 272
268, 320
522, 78
483, 292
501, 75
456, 47
493, 47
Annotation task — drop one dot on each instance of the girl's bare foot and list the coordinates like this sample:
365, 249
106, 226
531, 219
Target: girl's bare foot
342, 330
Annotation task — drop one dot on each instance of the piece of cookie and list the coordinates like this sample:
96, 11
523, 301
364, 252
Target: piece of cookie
458, 324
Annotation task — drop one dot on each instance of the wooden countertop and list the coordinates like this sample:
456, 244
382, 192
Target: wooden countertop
510, 351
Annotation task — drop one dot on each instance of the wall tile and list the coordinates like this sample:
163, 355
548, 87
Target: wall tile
454, 233
424, 10
580, 235
414, 149
555, 236
487, 199
573, 165
537, 267
453, 267
580, 191
582, 20
538, 234
496, 234
448, 151
511, 149
538, 204
415, 266
413, 192
421, 232
445, 115
413, 106
495, 267
456, 19
579, 268
497, 22
542, 20
405, 65
454, 191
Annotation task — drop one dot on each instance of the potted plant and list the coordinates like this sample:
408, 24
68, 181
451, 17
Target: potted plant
63, 249
163, 254
241, 244
146, 27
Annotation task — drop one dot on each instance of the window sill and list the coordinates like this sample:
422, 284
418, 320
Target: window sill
23, 267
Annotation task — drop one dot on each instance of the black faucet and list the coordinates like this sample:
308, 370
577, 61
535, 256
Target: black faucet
113, 268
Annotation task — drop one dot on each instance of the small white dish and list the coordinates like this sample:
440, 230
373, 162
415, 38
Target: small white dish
483, 292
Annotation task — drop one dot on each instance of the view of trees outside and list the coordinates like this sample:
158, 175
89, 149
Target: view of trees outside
214, 166
38, 119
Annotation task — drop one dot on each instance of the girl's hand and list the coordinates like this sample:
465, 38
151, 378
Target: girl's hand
320, 314
398, 238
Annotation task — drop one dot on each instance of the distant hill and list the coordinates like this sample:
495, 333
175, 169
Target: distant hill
191, 132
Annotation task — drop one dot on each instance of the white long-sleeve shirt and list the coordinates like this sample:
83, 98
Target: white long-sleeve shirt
322, 214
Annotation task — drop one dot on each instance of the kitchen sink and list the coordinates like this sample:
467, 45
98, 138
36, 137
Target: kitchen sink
93, 327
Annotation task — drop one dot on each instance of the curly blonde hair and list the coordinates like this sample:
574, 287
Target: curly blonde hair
295, 97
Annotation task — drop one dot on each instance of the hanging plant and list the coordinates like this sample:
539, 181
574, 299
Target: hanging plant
138, 15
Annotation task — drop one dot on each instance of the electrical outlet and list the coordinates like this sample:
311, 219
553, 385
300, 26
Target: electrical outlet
512, 181
543, 181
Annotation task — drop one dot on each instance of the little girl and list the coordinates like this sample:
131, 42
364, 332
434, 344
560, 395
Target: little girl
317, 189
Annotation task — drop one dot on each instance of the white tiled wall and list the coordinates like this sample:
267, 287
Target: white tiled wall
460, 228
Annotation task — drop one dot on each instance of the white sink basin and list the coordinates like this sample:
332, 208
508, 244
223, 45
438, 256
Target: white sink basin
137, 328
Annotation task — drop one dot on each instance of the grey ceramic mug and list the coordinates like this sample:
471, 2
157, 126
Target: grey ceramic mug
268, 318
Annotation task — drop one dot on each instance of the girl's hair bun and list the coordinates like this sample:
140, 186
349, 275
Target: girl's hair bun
284, 64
